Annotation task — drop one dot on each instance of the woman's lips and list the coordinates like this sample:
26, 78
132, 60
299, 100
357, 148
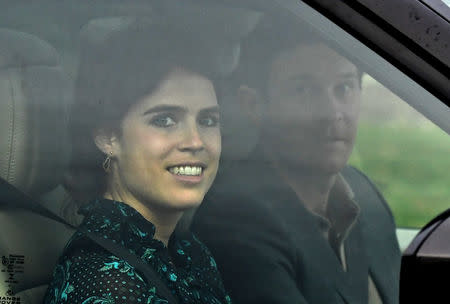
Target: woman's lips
188, 179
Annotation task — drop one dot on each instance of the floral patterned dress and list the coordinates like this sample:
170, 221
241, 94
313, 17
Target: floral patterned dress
88, 274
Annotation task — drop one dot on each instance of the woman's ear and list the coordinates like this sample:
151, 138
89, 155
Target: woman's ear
106, 141
251, 102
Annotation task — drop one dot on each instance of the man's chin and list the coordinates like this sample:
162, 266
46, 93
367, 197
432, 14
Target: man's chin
331, 166
331, 169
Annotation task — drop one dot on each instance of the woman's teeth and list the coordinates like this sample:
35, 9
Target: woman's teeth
186, 170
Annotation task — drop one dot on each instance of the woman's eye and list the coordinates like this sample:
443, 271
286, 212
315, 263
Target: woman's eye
163, 121
210, 121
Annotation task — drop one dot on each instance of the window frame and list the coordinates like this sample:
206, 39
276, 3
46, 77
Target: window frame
396, 37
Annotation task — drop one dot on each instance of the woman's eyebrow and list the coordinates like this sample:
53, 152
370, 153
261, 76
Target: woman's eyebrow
213, 109
164, 108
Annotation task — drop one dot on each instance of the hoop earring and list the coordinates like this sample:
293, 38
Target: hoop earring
107, 163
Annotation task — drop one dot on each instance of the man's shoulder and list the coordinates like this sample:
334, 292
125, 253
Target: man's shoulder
240, 209
244, 192
244, 206
367, 195
378, 231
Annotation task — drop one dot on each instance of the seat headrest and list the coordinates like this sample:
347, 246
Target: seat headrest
34, 99
19, 49
221, 37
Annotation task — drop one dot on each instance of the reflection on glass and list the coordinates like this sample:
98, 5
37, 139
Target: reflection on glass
404, 153
306, 224
289, 218
146, 144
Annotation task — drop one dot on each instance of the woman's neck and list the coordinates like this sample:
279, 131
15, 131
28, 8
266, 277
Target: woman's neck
164, 221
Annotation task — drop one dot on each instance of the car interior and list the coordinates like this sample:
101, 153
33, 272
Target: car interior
36, 94
36, 91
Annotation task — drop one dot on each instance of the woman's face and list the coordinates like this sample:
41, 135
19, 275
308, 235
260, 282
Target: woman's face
168, 153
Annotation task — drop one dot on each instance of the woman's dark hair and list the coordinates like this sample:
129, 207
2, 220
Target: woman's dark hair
127, 64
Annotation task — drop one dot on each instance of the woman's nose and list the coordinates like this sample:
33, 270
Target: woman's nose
192, 139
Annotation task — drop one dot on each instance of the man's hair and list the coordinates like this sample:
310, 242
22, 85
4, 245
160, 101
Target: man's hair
272, 37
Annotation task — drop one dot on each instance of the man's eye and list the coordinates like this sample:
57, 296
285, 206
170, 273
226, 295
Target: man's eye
302, 89
306, 90
344, 89
163, 121
209, 121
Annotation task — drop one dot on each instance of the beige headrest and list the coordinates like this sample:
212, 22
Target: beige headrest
34, 97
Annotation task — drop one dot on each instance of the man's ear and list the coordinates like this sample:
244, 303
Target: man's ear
106, 141
251, 102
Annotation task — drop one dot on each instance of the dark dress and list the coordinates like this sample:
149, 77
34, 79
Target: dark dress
86, 273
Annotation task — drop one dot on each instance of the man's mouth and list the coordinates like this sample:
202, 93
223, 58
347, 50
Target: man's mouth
186, 170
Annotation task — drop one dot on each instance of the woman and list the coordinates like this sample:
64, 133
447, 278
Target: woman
146, 147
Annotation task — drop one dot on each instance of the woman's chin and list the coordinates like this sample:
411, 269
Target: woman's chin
186, 202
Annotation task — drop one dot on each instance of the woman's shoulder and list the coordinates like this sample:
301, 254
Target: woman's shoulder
82, 252
86, 273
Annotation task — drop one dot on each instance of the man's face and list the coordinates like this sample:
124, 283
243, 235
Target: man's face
313, 108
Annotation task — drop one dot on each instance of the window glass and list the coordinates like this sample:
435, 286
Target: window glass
325, 149
404, 153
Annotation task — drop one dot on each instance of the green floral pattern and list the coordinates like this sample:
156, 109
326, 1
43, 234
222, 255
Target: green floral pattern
88, 274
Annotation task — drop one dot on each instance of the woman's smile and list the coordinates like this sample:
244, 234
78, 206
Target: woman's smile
169, 149
188, 173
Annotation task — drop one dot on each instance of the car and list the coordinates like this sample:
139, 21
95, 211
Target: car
426, 261
403, 141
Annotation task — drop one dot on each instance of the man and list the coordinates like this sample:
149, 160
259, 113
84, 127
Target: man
293, 223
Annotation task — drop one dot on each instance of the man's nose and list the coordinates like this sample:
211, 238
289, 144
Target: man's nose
191, 139
329, 106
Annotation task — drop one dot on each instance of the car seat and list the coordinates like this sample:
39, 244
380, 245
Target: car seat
34, 94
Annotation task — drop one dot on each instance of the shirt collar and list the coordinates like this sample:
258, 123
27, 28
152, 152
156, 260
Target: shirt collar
342, 210
119, 222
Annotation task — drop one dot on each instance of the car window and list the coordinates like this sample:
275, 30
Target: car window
391, 125
388, 127
326, 147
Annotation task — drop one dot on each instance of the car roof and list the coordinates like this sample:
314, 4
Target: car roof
412, 35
